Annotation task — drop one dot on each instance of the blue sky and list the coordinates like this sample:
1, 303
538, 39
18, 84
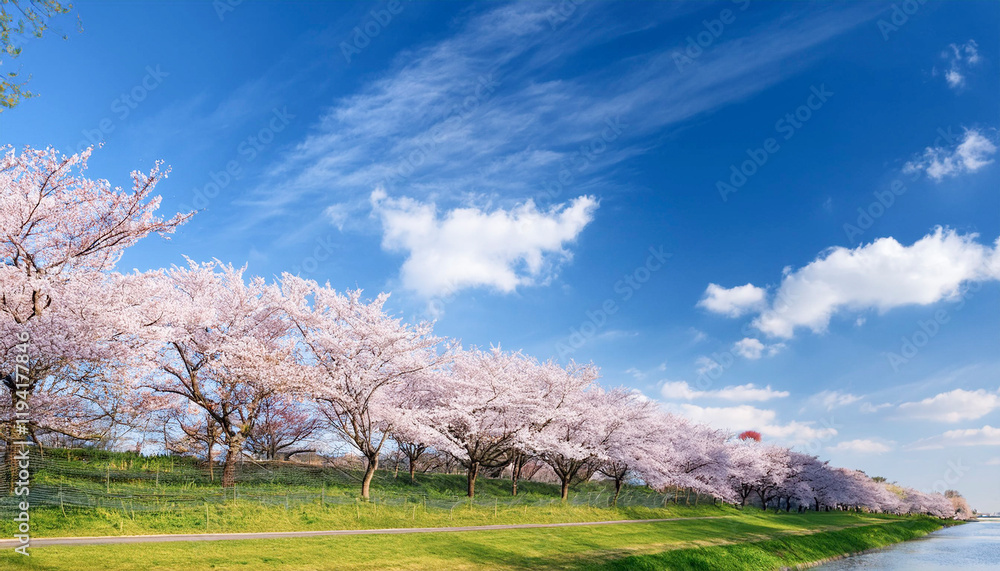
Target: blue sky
559, 178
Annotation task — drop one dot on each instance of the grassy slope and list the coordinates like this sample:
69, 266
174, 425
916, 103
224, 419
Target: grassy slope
745, 541
780, 552
152, 495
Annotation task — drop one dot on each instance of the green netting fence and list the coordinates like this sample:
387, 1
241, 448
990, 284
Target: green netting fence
123, 481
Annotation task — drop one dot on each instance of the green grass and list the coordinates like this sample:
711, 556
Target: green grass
780, 552
751, 540
250, 517
93, 492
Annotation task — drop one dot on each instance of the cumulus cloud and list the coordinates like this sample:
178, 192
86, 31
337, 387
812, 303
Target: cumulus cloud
985, 436
974, 152
472, 247
953, 406
732, 302
861, 446
676, 390
882, 275
746, 417
751, 348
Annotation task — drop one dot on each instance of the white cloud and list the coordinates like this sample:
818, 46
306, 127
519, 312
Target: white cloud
973, 153
732, 302
743, 393
993, 461
882, 275
338, 214
954, 78
751, 348
707, 366
832, 399
960, 57
746, 417
870, 408
953, 406
861, 446
470, 247
985, 436
636, 373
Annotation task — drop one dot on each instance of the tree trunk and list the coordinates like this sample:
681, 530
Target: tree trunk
565, 489
232, 457
471, 474
413, 471
618, 490
366, 483
515, 472
211, 467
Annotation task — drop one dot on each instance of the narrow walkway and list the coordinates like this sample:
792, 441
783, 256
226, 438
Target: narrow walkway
111, 539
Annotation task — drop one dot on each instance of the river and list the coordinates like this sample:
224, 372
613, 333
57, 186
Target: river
970, 546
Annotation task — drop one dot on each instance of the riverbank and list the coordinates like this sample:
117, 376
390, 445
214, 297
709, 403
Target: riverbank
748, 540
791, 552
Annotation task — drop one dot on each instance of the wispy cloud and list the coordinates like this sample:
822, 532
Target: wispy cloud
861, 446
973, 153
745, 393
491, 110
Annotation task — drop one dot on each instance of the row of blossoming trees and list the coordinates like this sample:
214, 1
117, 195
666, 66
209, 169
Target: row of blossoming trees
218, 353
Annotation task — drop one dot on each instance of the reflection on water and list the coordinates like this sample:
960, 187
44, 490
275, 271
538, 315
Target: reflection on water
969, 546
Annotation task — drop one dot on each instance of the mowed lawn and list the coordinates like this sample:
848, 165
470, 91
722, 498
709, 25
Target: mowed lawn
597, 547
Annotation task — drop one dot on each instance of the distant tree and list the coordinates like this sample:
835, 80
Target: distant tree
283, 427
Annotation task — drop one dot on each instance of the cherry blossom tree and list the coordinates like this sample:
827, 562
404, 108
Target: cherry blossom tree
284, 428
579, 424
366, 368
223, 348
61, 234
482, 413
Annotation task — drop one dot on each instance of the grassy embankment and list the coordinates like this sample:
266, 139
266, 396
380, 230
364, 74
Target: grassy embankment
143, 496
745, 541
75, 493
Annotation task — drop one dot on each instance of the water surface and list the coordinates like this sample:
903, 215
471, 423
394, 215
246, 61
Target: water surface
970, 546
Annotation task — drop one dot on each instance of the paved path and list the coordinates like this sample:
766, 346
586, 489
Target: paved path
38, 542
